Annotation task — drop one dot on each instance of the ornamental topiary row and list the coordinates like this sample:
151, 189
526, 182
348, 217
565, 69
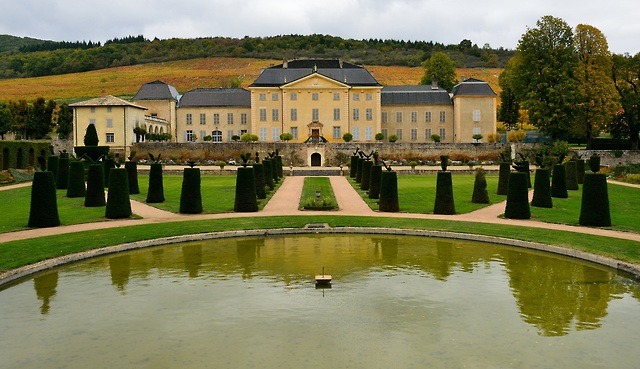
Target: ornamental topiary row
43, 210
353, 167
95, 186
374, 185
365, 181
517, 197
155, 193
261, 186
62, 177
75, 185
542, 189
190, 195
503, 178
118, 204
132, 175
268, 173
571, 168
444, 203
480, 194
594, 210
246, 199
559, 182
389, 192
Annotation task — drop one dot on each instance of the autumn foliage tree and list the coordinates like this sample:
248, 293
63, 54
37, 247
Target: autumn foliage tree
440, 68
626, 79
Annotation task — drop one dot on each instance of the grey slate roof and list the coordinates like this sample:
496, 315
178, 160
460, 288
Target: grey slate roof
293, 70
232, 97
472, 87
414, 95
156, 90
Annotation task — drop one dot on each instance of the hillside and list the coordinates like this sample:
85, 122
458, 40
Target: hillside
13, 43
186, 75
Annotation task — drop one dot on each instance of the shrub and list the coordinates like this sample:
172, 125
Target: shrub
435, 137
594, 163
359, 170
353, 167
559, 182
323, 203
366, 175
190, 194
571, 170
286, 136
91, 136
480, 194
477, 137
393, 138
516, 136
444, 162
379, 136
109, 164
389, 192
413, 164
118, 203
246, 199
523, 167
444, 203
517, 197
52, 165
580, 170
279, 166
132, 176
62, 177
274, 169
503, 178
43, 210
249, 137
594, 210
268, 173
95, 186
542, 189
258, 172
155, 193
374, 183
235, 138
347, 137
76, 186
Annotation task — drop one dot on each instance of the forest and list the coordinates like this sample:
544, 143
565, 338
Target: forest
22, 57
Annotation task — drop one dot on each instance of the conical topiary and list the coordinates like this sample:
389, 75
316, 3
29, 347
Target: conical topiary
95, 186
109, 164
542, 189
52, 165
389, 192
43, 211
268, 173
480, 193
503, 178
155, 194
258, 173
246, 199
517, 197
76, 186
523, 166
359, 170
279, 166
274, 169
559, 182
594, 210
132, 176
118, 204
353, 167
580, 170
374, 181
594, 163
191, 196
571, 169
62, 177
365, 181
444, 203
91, 136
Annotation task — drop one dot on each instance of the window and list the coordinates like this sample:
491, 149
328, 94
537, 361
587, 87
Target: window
384, 117
108, 109
336, 113
399, 133
427, 133
294, 133
216, 136
111, 138
356, 133
315, 115
356, 97
243, 118
368, 97
188, 135
414, 117
263, 97
294, 114
427, 117
263, 133
443, 134
229, 118
92, 109
203, 118
202, 134
368, 114
399, 117
356, 114
275, 115
336, 96
109, 123
476, 115
414, 134
92, 121
275, 134
384, 133
189, 119
368, 133
293, 96
314, 96
274, 96
229, 134
336, 132
216, 118
443, 116
476, 130
263, 114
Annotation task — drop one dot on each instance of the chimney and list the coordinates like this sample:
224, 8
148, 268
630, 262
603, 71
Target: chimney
434, 84
340, 63
285, 64
103, 93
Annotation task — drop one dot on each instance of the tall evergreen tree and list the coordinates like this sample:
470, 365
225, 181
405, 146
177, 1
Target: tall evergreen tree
64, 121
509, 112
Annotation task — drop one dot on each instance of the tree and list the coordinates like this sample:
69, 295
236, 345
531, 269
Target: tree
248, 137
626, 79
64, 121
347, 137
543, 76
20, 113
40, 120
509, 112
6, 120
439, 68
598, 100
379, 136
286, 136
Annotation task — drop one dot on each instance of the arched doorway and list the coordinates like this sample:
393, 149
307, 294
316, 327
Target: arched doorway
5, 159
316, 160
19, 159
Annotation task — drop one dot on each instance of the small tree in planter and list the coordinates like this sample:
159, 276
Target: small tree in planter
366, 172
235, 138
480, 194
286, 137
571, 169
559, 182
580, 170
62, 177
347, 137
359, 168
477, 137
95, 185
246, 199
76, 186
353, 167
258, 172
517, 197
542, 189
388, 191
155, 193
594, 209
413, 165
118, 203
379, 137
268, 173
435, 137
132, 174
43, 210
393, 138
376, 174
109, 163
53, 162
190, 194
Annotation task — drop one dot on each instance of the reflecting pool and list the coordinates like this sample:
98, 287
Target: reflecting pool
395, 302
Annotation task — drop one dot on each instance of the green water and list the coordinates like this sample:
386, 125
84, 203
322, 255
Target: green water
395, 302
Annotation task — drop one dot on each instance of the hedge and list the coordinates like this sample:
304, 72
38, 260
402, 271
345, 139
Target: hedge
517, 197
155, 193
444, 203
503, 178
132, 176
62, 177
118, 203
594, 210
95, 186
542, 189
571, 168
258, 172
353, 167
22, 154
374, 182
191, 195
43, 210
389, 192
365, 181
559, 182
246, 200
75, 185
480, 194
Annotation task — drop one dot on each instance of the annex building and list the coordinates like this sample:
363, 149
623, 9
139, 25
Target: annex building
315, 100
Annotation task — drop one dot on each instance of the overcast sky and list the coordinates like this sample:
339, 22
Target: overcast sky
499, 23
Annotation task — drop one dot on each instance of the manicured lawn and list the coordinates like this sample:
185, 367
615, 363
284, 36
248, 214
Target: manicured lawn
311, 184
417, 193
15, 206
